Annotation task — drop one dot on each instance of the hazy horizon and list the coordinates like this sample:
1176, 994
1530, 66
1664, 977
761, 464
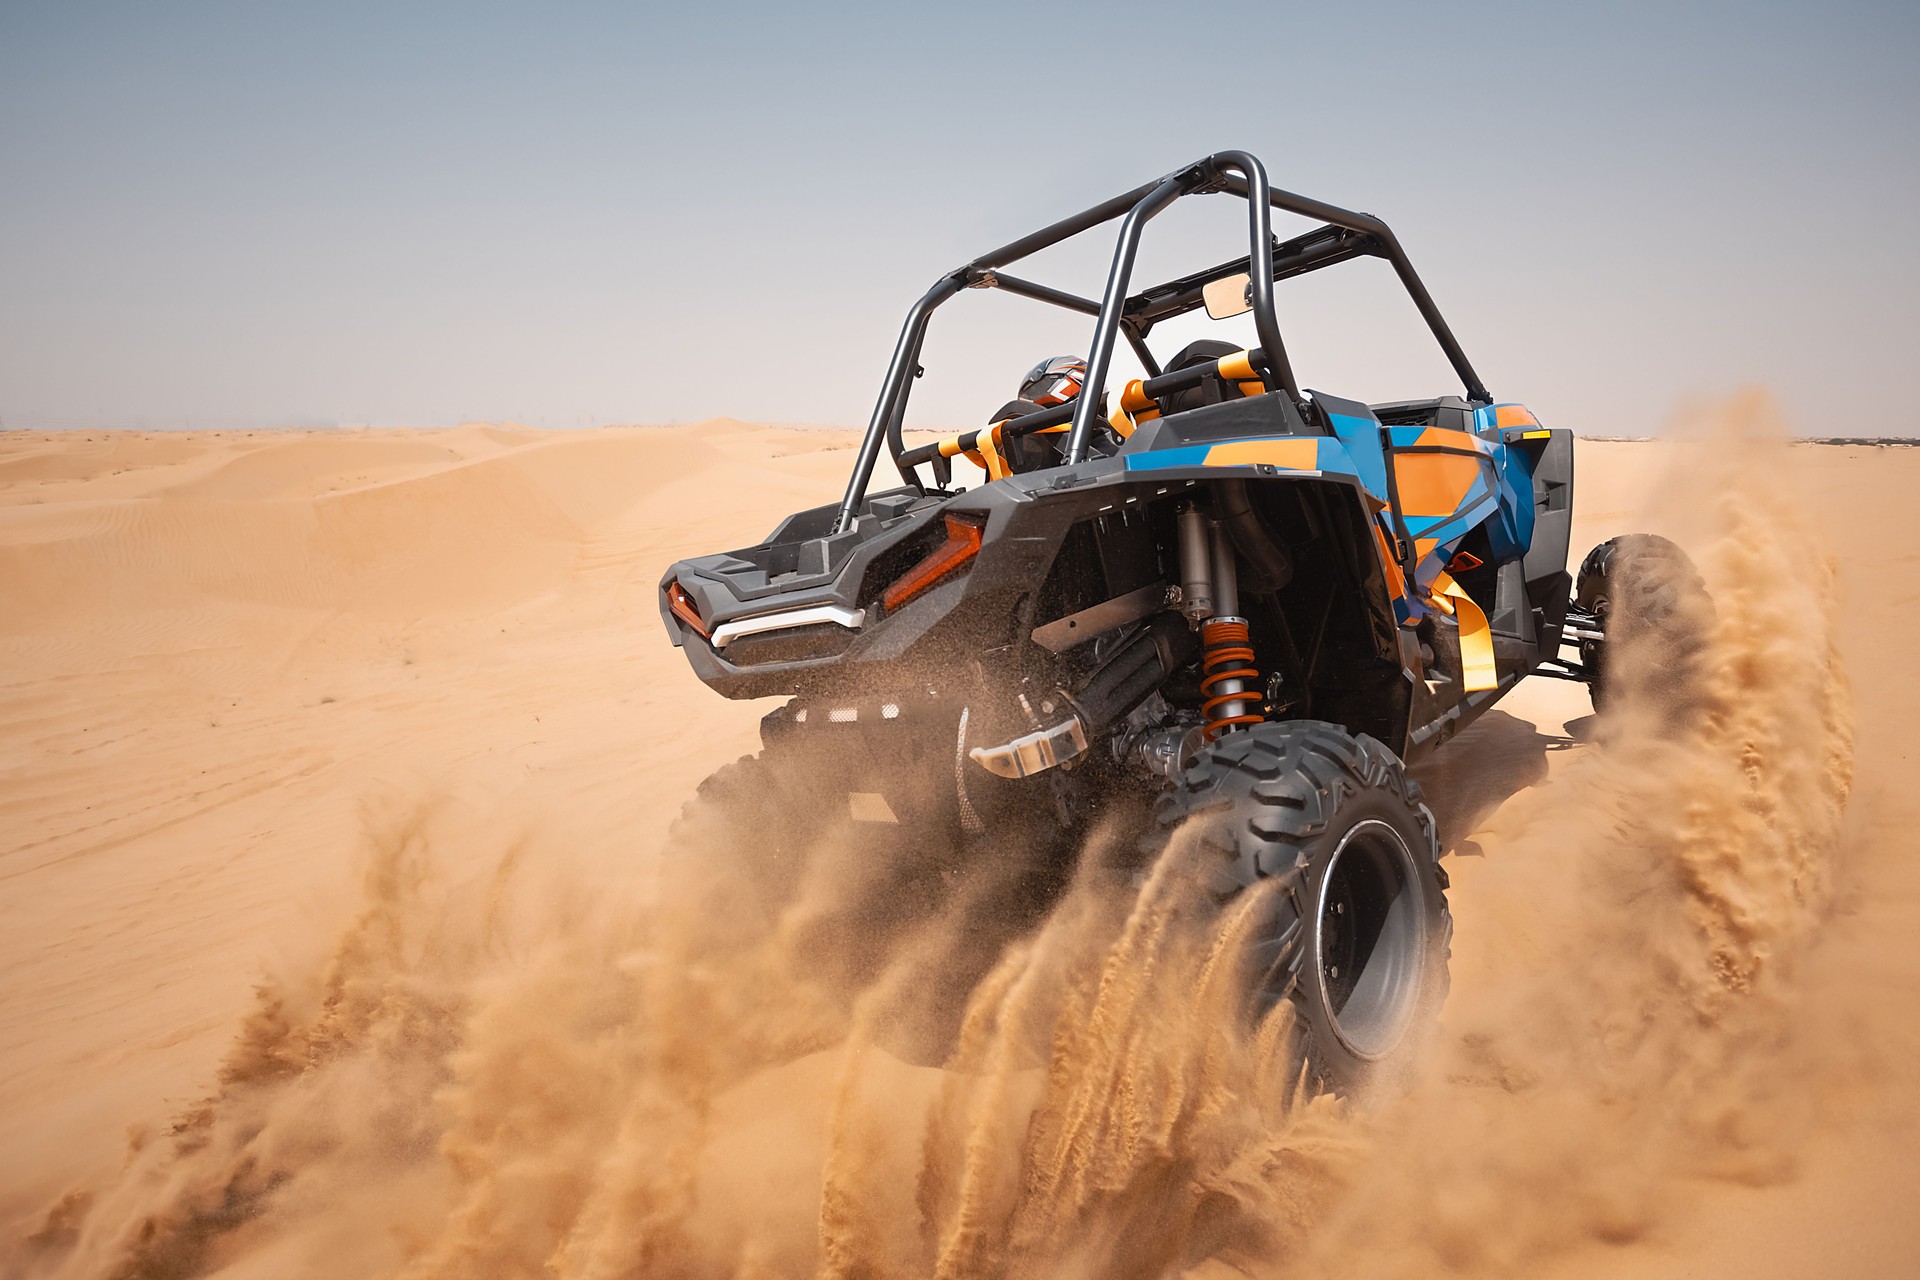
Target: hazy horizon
218, 217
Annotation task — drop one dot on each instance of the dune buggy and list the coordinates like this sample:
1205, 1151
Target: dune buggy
1207, 591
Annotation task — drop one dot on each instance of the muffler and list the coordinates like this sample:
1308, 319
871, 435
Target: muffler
1116, 687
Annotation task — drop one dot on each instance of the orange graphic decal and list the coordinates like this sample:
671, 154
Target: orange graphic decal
1291, 455
1433, 484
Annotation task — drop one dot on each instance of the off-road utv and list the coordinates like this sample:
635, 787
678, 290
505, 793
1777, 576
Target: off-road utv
1208, 592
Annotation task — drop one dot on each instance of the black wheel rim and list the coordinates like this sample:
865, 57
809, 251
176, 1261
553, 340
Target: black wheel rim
1368, 937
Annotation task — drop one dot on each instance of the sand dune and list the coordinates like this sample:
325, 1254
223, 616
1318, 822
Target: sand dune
201, 678
271, 703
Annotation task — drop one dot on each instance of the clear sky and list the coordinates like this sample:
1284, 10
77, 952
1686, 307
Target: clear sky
259, 214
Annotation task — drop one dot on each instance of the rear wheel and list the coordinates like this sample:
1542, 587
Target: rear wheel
863, 898
739, 851
1355, 933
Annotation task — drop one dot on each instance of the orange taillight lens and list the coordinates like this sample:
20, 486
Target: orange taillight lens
682, 605
962, 544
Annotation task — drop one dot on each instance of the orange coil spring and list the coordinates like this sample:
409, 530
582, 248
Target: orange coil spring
1227, 655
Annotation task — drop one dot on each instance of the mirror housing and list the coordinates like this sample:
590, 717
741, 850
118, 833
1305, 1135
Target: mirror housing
1228, 297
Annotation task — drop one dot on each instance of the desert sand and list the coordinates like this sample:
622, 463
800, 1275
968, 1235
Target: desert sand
291, 722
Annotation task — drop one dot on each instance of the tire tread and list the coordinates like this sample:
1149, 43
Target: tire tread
1265, 794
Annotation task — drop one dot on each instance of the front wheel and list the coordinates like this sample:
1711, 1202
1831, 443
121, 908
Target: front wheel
1654, 615
1355, 933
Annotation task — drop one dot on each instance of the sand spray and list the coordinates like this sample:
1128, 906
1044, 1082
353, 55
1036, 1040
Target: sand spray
526, 1073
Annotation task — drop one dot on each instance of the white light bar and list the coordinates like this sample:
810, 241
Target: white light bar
727, 632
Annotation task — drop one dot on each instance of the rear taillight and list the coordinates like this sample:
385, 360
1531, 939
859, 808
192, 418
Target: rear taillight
962, 545
682, 605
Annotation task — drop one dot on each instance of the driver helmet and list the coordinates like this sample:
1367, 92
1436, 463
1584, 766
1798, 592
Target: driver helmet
1055, 380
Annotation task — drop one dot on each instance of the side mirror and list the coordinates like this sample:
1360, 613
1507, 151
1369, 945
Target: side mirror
1229, 297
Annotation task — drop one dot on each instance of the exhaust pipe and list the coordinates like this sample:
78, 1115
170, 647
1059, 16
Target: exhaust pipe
1120, 684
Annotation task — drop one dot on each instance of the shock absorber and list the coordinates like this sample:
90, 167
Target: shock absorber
1228, 679
1211, 586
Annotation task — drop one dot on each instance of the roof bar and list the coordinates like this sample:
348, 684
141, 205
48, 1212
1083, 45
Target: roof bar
1038, 292
1321, 247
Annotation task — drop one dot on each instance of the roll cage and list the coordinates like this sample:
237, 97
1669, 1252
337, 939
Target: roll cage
1344, 235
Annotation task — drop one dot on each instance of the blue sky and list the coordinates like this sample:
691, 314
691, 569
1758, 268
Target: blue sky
262, 214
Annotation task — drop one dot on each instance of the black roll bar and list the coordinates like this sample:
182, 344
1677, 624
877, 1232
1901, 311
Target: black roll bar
1210, 172
885, 424
1038, 292
1234, 172
1320, 247
1064, 229
1389, 248
1260, 231
1107, 327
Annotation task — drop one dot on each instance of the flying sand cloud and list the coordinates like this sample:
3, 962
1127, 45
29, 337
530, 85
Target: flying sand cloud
522, 1071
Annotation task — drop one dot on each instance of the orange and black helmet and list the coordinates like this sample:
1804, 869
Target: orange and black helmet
1054, 380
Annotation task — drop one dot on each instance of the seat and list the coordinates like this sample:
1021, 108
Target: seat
1212, 390
1028, 453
